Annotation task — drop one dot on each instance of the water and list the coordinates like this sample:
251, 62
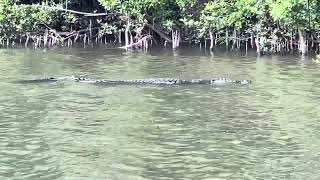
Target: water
266, 130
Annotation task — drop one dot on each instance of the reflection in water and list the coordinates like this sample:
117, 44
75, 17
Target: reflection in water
65, 130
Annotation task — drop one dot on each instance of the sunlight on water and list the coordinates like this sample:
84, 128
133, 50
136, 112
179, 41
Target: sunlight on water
66, 130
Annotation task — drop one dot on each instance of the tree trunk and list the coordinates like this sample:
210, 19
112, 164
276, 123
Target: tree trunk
164, 36
26, 43
175, 39
178, 39
291, 41
302, 42
119, 37
258, 45
85, 40
227, 38
205, 43
90, 28
45, 38
216, 39
211, 40
252, 41
238, 39
131, 38
246, 46
8, 42
126, 34
234, 36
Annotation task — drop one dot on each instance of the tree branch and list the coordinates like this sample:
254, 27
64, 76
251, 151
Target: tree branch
164, 36
68, 10
137, 44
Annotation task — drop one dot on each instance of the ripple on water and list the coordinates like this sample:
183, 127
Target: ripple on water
267, 130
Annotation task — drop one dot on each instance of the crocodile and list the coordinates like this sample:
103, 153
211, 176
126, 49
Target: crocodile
164, 81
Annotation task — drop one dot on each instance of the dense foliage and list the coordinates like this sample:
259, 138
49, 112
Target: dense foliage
15, 20
272, 25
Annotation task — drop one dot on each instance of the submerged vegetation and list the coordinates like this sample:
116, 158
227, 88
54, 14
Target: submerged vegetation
269, 26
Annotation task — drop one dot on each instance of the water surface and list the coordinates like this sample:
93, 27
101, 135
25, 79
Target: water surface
66, 130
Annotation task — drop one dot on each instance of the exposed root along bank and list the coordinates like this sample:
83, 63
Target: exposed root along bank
298, 41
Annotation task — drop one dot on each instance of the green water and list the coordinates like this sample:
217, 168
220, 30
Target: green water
75, 131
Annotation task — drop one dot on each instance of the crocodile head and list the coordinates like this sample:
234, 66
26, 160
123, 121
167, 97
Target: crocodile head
221, 81
245, 81
227, 81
